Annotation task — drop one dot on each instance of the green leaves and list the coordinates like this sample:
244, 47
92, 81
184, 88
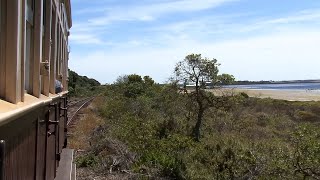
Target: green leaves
134, 85
225, 79
306, 158
195, 69
81, 85
243, 137
202, 72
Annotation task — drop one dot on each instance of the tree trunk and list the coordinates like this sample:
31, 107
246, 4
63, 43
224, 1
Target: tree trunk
199, 99
197, 127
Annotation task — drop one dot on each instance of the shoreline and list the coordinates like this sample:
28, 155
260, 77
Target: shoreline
289, 95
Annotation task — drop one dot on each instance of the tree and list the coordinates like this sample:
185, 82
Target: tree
148, 80
200, 71
122, 80
225, 79
134, 85
134, 78
81, 85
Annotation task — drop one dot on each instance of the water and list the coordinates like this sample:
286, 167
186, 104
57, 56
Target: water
293, 86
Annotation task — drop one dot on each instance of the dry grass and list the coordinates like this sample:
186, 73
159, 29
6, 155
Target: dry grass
85, 125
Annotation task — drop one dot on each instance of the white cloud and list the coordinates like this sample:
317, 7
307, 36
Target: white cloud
306, 16
275, 56
210, 25
291, 55
303, 16
92, 30
85, 39
262, 48
107, 66
149, 12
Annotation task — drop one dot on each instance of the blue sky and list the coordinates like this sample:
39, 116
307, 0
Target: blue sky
252, 39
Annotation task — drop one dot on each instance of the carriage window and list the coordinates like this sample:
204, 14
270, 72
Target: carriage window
44, 13
43, 44
29, 45
53, 51
58, 52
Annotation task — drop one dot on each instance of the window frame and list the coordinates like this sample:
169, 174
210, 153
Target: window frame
2, 48
37, 53
13, 59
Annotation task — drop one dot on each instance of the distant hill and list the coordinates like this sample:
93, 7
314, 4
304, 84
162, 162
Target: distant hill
81, 85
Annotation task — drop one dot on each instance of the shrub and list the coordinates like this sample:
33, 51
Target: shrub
88, 160
306, 116
249, 139
245, 95
306, 158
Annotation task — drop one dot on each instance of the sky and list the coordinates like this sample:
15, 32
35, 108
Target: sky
251, 39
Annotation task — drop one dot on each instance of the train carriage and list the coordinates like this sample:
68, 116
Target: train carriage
34, 54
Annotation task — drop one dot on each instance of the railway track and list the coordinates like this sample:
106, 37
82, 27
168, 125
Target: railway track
75, 107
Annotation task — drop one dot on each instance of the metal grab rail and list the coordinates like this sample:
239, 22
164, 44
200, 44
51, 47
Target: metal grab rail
2, 154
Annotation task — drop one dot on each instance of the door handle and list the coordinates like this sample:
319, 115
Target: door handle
51, 133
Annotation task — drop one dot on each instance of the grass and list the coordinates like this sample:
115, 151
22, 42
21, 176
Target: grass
85, 125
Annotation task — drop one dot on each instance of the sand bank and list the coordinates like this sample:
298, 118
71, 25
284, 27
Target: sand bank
290, 95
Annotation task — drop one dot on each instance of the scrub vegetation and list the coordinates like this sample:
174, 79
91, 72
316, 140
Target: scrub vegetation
81, 85
147, 131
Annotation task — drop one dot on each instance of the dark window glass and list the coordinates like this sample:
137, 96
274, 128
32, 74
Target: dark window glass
30, 3
29, 45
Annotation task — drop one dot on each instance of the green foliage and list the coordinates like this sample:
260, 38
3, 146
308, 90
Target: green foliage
306, 158
148, 80
246, 138
226, 79
82, 85
88, 160
196, 69
134, 78
306, 116
244, 95
134, 85
200, 71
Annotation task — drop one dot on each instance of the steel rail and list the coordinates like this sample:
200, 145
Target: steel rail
76, 102
75, 113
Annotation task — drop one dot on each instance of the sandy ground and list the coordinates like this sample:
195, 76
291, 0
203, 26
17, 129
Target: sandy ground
290, 95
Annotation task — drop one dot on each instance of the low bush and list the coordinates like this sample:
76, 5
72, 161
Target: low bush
306, 116
88, 160
250, 139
